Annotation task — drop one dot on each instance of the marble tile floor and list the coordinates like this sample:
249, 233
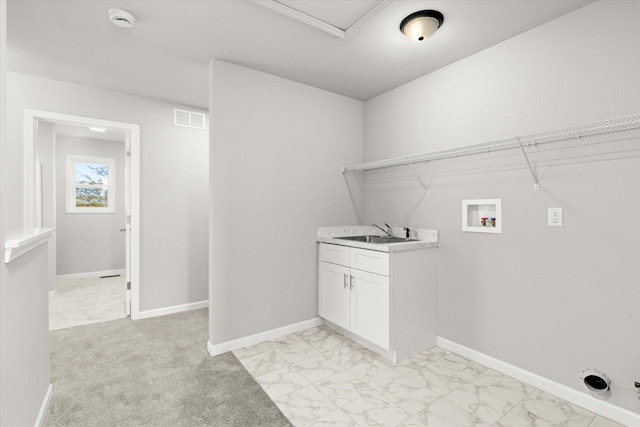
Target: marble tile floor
86, 300
320, 378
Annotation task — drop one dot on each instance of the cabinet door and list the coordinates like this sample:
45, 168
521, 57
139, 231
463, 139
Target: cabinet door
335, 298
370, 305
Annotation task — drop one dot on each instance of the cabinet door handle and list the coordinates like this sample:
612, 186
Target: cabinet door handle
345, 281
351, 281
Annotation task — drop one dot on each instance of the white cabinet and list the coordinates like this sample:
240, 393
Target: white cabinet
370, 307
372, 261
335, 293
354, 299
387, 299
335, 254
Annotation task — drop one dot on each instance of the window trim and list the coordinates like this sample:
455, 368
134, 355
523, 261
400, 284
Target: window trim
72, 186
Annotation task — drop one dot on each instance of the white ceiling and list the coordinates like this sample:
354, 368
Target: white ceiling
86, 133
165, 55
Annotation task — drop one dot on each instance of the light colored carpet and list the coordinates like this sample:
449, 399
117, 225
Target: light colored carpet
152, 372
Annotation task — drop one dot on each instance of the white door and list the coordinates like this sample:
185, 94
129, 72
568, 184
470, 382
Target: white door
334, 293
370, 305
127, 226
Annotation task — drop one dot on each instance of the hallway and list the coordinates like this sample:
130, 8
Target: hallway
86, 300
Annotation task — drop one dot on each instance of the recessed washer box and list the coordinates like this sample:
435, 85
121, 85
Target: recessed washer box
482, 215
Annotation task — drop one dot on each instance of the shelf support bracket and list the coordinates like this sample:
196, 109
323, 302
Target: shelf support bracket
353, 197
536, 185
418, 178
354, 174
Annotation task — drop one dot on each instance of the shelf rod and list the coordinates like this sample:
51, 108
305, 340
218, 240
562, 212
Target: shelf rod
536, 186
433, 156
591, 129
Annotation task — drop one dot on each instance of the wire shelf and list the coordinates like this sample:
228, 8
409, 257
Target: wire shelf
602, 140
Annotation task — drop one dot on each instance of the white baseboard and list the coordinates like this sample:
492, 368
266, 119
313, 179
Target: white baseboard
44, 407
388, 354
52, 293
171, 310
606, 409
216, 349
91, 274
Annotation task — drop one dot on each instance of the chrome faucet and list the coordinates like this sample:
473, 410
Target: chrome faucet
388, 231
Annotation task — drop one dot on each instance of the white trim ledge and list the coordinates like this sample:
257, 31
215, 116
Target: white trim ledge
44, 407
21, 241
216, 349
606, 409
170, 310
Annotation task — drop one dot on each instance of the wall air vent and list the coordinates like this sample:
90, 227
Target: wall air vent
188, 119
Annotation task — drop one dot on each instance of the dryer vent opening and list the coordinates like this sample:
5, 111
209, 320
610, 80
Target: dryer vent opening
596, 381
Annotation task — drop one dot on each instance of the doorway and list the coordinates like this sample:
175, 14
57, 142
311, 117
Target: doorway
90, 187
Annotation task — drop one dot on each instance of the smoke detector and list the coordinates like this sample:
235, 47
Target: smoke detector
122, 18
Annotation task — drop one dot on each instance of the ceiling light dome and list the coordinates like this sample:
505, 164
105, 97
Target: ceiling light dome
421, 25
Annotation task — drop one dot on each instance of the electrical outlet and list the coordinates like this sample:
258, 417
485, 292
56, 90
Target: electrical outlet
555, 217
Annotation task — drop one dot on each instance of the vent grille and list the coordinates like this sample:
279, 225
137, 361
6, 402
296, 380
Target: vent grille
188, 119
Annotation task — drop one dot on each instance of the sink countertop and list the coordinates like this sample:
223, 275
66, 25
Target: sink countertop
428, 238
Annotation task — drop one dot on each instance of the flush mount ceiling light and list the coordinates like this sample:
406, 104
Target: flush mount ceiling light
121, 18
97, 129
421, 25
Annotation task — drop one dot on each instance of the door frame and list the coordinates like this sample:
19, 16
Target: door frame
31, 118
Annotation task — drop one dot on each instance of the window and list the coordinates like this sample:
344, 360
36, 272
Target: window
91, 185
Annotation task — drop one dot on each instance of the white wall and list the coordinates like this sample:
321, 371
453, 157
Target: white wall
88, 242
276, 152
24, 353
576, 69
45, 149
537, 297
45, 154
24, 335
174, 181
